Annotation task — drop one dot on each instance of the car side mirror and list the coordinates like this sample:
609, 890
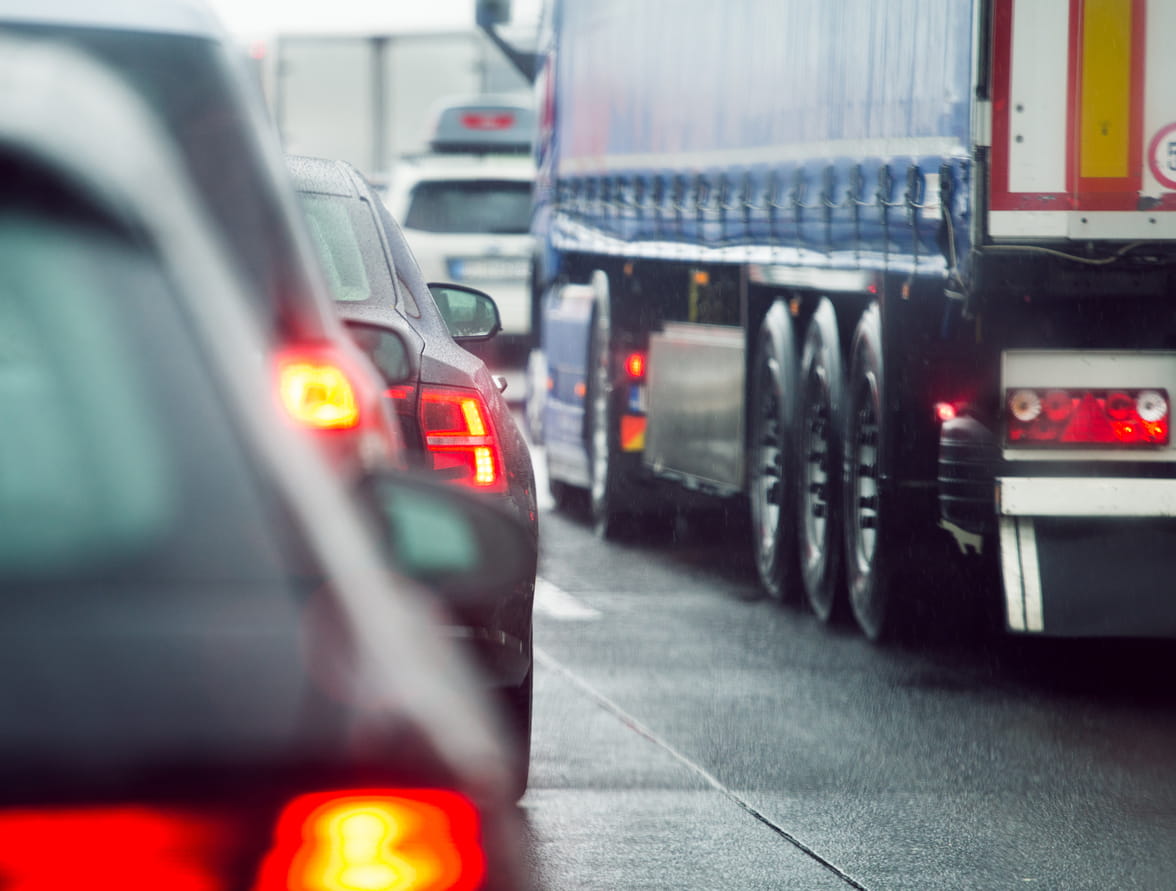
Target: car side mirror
465, 549
471, 315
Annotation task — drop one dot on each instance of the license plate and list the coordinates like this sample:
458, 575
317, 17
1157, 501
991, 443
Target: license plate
488, 268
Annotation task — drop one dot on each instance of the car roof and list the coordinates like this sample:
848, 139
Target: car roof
191, 17
465, 166
323, 175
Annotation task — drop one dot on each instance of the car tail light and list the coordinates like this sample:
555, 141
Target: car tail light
375, 840
1082, 417
128, 848
460, 439
316, 390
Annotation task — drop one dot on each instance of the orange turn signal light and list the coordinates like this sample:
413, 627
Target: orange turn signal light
317, 393
376, 840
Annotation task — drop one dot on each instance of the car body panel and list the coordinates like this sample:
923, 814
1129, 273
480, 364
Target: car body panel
501, 634
244, 641
179, 60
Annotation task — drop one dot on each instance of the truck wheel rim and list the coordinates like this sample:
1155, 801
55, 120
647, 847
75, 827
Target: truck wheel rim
866, 483
770, 476
600, 455
815, 449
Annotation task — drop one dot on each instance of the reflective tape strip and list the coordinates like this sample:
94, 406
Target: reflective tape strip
1030, 574
1084, 497
1104, 114
1010, 562
632, 433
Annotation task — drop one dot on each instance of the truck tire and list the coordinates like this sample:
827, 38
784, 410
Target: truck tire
819, 453
771, 453
870, 550
606, 498
535, 397
566, 497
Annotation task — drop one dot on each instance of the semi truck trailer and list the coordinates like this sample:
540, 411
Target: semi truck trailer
890, 276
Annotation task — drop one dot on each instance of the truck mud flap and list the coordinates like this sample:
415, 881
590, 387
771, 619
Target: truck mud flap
1087, 577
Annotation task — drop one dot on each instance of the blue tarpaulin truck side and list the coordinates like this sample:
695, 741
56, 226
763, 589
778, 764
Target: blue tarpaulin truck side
898, 276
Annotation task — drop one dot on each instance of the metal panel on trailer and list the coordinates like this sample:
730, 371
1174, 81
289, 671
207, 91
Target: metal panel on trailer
695, 425
829, 134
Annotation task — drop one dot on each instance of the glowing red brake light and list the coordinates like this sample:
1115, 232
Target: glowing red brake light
315, 391
459, 438
124, 847
376, 840
1081, 417
475, 120
635, 366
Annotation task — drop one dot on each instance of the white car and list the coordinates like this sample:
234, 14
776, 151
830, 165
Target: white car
466, 207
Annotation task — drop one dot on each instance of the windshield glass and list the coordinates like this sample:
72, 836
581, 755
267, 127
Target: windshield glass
471, 207
187, 82
102, 470
349, 246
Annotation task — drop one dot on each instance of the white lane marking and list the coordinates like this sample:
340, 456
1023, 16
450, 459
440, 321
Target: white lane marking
549, 663
559, 604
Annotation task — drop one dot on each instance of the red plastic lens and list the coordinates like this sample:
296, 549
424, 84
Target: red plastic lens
1120, 406
460, 438
132, 848
487, 120
1058, 404
316, 391
635, 366
1081, 417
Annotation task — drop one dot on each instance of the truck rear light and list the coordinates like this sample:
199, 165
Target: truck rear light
945, 411
460, 438
1024, 405
376, 840
315, 390
635, 366
1081, 417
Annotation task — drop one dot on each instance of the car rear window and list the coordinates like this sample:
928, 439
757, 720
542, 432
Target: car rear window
500, 207
116, 458
344, 233
191, 85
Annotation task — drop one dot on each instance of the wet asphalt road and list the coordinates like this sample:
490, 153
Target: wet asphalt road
691, 735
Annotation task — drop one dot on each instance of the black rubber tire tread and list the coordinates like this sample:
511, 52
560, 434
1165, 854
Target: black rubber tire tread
518, 705
609, 520
820, 427
771, 465
534, 398
870, 533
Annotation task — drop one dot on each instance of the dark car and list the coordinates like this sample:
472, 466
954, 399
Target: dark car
209, 677
457, 425
175, 54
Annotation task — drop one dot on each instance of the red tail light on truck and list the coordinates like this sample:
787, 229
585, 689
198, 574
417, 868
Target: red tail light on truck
1081, 417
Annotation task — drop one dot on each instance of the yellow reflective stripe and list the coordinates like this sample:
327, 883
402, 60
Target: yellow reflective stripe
632, 433
1105, 112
